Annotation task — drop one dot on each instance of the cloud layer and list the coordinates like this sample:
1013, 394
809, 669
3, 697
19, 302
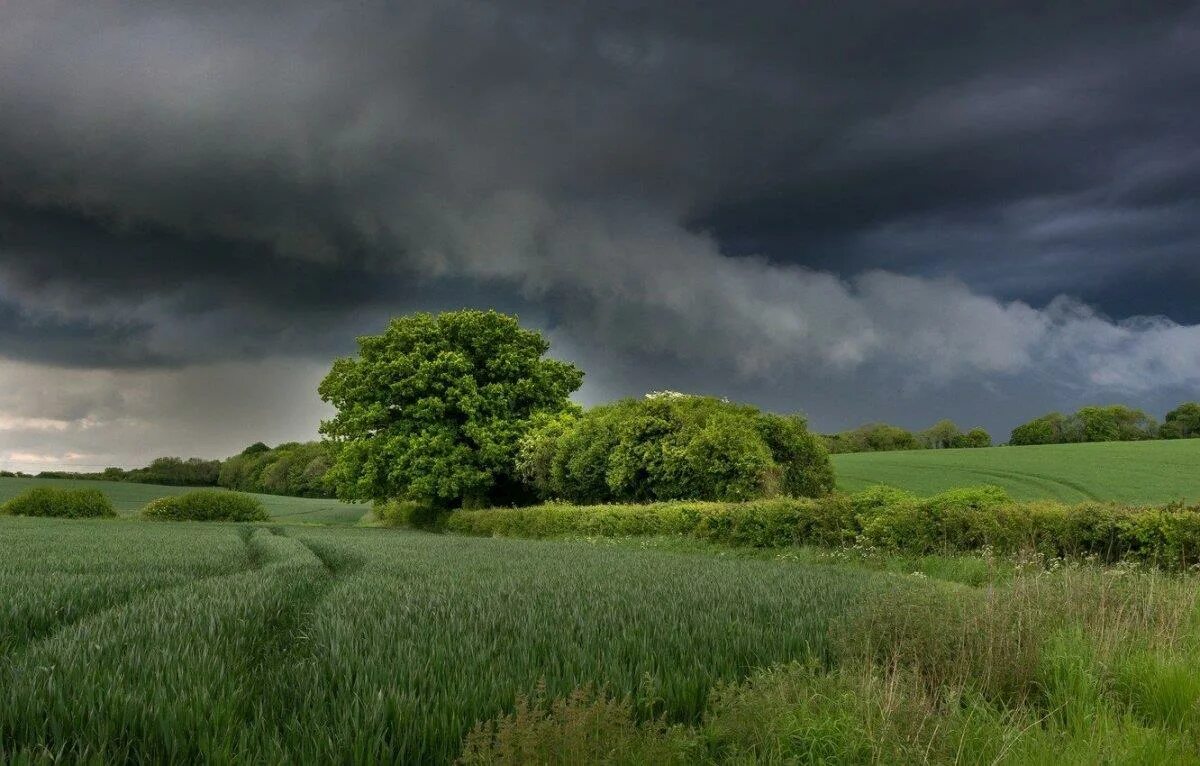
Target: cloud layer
993, 204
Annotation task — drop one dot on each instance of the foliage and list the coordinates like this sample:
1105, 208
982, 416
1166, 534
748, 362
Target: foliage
882, 437
433, 409
672, 447
1052, 428
65, 503
409, 513
1183, 422
292, 468
206, 505
1115, 422
173, 471
976, 438
968, 519
872, 437
941, 435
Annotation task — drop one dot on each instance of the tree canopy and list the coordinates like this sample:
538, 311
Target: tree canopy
433, 408
1114, 422
673, 447
1183, 422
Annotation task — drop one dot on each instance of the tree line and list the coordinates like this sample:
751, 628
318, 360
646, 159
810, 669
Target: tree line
1109, 423
294, 468
884, 437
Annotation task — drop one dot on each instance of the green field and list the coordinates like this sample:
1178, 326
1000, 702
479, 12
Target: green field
128, 498
1130, 472
132, 641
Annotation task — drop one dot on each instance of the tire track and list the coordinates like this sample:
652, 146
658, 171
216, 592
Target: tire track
1026, 478
47, 632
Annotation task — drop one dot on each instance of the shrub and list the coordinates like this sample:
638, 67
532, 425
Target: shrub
63, 503
206, 505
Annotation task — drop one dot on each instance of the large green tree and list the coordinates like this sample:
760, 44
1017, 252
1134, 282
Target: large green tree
433, 409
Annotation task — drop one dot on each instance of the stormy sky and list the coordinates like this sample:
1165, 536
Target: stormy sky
859, 210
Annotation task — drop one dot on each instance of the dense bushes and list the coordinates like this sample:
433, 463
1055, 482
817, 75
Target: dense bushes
206, 505
960, 520
64, 503
672, 446
292, 468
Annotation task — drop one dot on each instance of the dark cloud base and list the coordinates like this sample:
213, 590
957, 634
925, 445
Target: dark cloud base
699, 198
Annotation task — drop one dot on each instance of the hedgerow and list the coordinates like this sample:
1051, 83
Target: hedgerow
960, 520
206, 505
63, 503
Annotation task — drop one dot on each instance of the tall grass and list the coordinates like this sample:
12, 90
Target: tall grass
1078, 666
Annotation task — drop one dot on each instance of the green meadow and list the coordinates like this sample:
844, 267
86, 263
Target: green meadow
1151, 472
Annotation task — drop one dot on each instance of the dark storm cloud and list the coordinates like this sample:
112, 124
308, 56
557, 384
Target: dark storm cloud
847, 197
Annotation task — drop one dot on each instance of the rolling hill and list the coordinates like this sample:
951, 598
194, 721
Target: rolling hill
1131, 472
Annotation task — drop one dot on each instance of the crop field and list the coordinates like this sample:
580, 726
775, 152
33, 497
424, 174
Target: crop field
158, 642
1131, 472
129, 498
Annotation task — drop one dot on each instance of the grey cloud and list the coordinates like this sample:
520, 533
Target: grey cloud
772, 197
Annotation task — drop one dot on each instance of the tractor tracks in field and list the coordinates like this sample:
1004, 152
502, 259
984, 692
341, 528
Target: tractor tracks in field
1022, 478
287, 650
304, 595
41, 634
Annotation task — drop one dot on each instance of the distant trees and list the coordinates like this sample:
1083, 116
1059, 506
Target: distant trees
672, 446
1115, 422
882, 437
192, 472
173, 471
1051, 428
290, 469
941, 435
1183, 422
974, 439
873, 437
432, 409
293, 468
